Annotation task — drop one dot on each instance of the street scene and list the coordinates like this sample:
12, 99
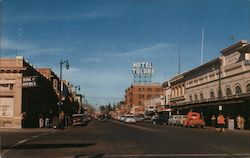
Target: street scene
114, 139
125, 78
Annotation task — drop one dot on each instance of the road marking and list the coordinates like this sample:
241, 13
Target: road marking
4, 152
178, 155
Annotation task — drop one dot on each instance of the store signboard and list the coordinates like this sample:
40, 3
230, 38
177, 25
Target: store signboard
30, 81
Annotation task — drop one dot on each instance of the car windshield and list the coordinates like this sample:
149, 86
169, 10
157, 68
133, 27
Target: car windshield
124, 78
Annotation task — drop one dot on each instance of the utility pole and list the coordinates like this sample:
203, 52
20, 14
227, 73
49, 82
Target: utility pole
202, 45
179, 61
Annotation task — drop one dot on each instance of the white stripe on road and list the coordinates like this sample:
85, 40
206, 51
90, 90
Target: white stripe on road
178, 155
4, 152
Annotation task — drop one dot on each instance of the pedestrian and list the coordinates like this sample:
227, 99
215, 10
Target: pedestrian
242, 123
238, 121
41, 121
213, 120
61, 120
221, 123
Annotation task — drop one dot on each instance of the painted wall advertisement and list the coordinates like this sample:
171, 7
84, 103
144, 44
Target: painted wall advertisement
6, 106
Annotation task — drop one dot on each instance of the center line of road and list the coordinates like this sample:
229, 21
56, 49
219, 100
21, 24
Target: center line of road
178, 155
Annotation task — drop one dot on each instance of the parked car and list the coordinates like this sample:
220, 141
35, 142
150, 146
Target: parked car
172, 120
147, 119
161, 118
122, 118
194, 120
102, 118
129, 119
139, 118
78, 119
180, 120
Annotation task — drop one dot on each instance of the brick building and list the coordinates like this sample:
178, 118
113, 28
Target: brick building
25, 94
136, 94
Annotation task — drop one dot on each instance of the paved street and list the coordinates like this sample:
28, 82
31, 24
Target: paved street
115, 139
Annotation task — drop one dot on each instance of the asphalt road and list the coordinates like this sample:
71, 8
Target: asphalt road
114, 139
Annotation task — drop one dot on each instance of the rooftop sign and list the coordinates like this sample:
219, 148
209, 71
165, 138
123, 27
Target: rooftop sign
143, 72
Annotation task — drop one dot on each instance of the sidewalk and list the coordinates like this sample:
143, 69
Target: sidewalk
245, 131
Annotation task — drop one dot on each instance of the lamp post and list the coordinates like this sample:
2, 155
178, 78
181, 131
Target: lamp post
76, 100
220, 92
60, 96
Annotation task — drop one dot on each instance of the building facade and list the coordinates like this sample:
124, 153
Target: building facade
219, 86
25, 94
137, 94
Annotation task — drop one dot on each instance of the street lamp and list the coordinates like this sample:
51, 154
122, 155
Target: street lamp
67, 67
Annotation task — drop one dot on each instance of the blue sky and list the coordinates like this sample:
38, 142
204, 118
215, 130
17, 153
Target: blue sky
102, 38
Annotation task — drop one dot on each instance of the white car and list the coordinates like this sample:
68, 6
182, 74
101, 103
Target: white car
172, 119
122, 118
129, 119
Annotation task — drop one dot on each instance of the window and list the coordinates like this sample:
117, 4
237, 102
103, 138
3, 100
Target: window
149, 89
212, 96
195, 97
238, 90
190, 98
248, 88
6, 87
201, 96
220, 93
228, 91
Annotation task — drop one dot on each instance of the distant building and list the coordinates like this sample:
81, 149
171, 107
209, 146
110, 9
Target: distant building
25, 94
136, 94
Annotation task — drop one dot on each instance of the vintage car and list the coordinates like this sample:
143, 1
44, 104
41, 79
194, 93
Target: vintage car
180, 120
172, 120
194, 120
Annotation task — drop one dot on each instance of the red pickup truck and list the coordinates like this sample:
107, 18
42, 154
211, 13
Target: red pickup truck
194, 120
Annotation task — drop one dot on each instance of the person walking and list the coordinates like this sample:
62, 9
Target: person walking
213, 121
221, 123
238, 121
61, 120
242, 123
41, 121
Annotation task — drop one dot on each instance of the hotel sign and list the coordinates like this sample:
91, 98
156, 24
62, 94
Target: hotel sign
143, 72
143, 68
30, 81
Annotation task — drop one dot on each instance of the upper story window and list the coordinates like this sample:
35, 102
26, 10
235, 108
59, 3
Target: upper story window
149, 89
201, 96
6, 87
212, 96
238, 90
228, 91
190, 98
195, 97
248, 88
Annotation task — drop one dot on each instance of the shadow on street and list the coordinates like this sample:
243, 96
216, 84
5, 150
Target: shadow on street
49, 146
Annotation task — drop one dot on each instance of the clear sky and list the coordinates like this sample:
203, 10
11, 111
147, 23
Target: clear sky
102, 38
